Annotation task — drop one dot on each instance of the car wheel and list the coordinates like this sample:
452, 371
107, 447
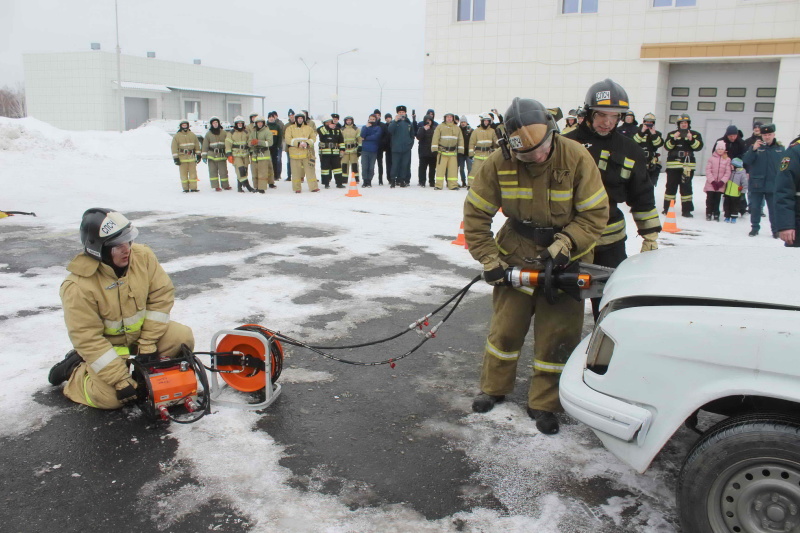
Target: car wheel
743, 476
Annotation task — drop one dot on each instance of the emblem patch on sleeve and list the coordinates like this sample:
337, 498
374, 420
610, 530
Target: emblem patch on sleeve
785, 163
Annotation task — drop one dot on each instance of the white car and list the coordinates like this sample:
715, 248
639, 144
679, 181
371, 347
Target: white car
701, 328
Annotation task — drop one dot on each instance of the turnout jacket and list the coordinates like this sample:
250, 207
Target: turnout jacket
263, 138
447, 139
680, 151
236, 144
565, 193
214, 146
650, 143
787, 191
184, 147
351, 136
331, 140
482, 142
102, 311
294, 135
623, 168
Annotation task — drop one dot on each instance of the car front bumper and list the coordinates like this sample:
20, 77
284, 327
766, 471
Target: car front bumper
603, 413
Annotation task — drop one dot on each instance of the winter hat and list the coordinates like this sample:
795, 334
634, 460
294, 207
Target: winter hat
291, 112
401, 108
731, 130
388, 115
737, 162
768, 128
720, 145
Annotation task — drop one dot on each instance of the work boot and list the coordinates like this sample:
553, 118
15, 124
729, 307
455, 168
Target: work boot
546, 422
483, 403
62, 370
688, 215
708, 216
753, 233
716, 217
774, 234
262, 191
273, 186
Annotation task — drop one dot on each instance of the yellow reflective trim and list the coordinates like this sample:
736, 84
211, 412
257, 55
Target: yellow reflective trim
507, 172
517, 194
645, 215
545, 366
586, 251
104, 360
122, 350
560, 196
614, 227
628, 163
157, 316
500, 354
507, 183
605, 154
86, 394
602, 164
625, 173
526, 290
480, 203
592, 201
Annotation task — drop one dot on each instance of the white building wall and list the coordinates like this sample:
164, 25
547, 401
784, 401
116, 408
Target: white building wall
78, 90
530, 49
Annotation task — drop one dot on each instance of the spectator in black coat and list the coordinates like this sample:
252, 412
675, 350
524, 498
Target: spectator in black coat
427, 159
629, 126
734, 143
756, 136
384, 146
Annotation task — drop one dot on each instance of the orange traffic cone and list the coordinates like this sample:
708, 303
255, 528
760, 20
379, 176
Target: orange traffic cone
460, 241
671, 225
353, 192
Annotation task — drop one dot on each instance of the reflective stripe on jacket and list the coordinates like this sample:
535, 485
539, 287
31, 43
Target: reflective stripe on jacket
447, 139
294, 135
184, 146
214, 145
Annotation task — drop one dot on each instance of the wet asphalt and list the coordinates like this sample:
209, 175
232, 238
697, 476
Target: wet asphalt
359, 436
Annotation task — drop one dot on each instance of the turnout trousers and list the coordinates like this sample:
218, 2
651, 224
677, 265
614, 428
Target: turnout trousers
302, 168
218, 173
350, 165
447, 168
556, 332
188, 173
676, 179
331, 167
263, 175
86, 388
240, 164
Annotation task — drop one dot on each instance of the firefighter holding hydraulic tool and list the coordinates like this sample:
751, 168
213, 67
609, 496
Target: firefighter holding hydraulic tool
116, 300
551, 191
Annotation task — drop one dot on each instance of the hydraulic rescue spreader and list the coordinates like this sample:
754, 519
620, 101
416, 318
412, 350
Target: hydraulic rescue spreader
239, 356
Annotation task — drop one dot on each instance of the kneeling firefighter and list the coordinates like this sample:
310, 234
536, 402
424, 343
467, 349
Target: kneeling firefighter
551, 191
116, 301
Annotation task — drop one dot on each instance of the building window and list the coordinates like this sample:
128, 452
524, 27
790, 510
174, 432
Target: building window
706, 106
579, 6
765, 107
471, 10
763, 120
673, 119
674, 3
737, 92
679, 106
680, 91
766, 92
734, 106
707, 92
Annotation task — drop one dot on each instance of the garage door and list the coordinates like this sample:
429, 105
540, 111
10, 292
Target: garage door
137, 111
716, 95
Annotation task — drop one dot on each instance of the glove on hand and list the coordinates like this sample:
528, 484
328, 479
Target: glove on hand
198, 157
494, 270
650, 243
177, 161
559, 250
126, 390
254, 142
230, 159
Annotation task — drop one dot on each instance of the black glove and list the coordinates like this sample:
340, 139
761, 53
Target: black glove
177, 161
198, 157
126, 390
358, 152
494, 271
558, 251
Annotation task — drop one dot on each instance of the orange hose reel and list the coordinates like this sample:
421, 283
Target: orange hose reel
249, 379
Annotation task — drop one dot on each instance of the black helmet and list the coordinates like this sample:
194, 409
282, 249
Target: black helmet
581, 113
606, 95
212, 119
101, 227
684, 117
528, 124
181, 123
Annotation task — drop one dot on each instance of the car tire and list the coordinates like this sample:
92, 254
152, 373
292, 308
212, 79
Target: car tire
743, 476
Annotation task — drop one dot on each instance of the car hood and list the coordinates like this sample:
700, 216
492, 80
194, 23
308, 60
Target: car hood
763, 276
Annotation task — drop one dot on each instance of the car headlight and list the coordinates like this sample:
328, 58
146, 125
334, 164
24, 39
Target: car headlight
601, 349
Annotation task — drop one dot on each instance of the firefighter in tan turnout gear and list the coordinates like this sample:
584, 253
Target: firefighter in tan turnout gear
260, 141
551, 192
299, 138
352, 149
186, 154
117, 301
482, 143
448, 141
214, 155
237, 149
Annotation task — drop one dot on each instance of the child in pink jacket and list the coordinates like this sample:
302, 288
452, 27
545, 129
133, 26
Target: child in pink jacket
718, 171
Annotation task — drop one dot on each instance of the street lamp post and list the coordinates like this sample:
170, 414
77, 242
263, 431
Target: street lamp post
336, 103
309, 83
120, 112
380, 101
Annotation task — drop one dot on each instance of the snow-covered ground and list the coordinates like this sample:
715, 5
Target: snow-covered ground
58, 174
